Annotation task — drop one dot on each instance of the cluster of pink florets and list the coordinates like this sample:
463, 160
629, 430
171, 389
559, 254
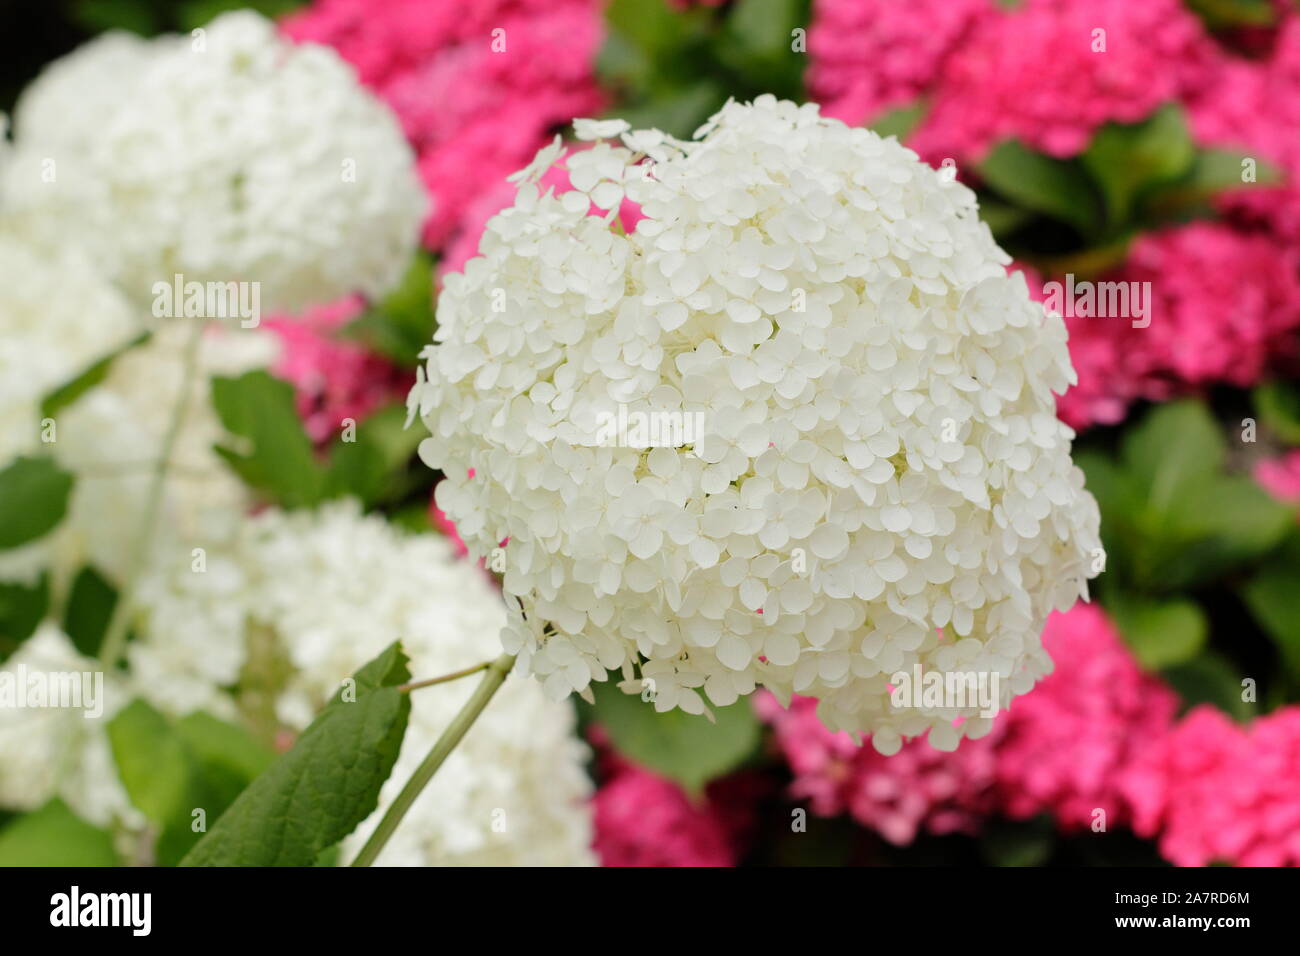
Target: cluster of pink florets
478, 87
1096, 745
1224, 308
334, 380
1049, 73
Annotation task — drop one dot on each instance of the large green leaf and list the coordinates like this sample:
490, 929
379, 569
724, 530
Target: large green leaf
1230, 14
1278, 405
1171, 517
1160, 633
70, 391
900, 121
88, 611
273, 452
687, 749
373, 466
22, 608
55, 836
1208, 678
1273, 596
402, 324
171, 769
33, 499
1127, 160
319, 791
1174, 445
1054, 187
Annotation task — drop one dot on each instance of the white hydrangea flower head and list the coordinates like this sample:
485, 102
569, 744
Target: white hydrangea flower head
66, 104
880, 480
236, 156
48, 752
332, 588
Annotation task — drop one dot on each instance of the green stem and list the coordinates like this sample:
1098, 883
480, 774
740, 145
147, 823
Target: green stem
445, 678
488, 686
110, 652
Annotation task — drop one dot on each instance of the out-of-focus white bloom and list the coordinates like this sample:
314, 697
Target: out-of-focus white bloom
234, 156
58, 317
879, 457
66, 105
331, 589
48, 752
111, 437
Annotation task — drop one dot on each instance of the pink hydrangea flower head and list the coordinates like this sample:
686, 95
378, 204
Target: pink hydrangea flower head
1224, 308
1255, 108
643, 819
869, 56
919, 789
1214, 791
333, 379
1280, 476
478, 88
1064, 744
1049, 72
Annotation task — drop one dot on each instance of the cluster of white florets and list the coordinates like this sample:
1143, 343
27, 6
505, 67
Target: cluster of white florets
57, 318
48, 752
328, 591
880, 481
226, 155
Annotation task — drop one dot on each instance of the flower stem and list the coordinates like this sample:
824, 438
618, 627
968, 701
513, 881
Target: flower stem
445, 678
488, 686
110, 652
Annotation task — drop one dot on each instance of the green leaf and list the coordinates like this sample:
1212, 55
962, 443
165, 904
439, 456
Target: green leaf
152, 762
274, 453
1018, 843
90, 606
69, 392
900, 121
1230, 14
1174, 445
230, 756
1054, 187
679, 112
22, 608
1278, 405
199, 13
1171, 518
1160, 633
1213, 172
687, 749
1208, 678
1215, 525
173, 769
1273, 596
1127, 160
138, 16
401, 325
33, 499
1121, 510
757, 44
317, 793
373, 466
55, 836
1003, 219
